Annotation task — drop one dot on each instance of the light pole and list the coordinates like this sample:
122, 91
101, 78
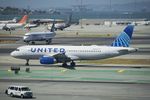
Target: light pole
110, 5
135, 5
81, 11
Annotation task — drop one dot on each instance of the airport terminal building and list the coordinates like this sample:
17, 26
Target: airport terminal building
109, 22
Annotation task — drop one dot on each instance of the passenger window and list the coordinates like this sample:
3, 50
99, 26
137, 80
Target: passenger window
12, 88
16, 88
19, 89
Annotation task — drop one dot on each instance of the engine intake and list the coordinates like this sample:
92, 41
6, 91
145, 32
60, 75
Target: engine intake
47, 60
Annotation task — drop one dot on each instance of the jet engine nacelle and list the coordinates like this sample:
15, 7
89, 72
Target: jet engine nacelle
47, 60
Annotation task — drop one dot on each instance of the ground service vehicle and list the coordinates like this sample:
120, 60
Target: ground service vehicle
20, 91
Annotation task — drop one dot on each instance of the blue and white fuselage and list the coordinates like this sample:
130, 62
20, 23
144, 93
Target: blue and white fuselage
78, 52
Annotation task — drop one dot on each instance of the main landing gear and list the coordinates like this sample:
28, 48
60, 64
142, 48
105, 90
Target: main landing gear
27, 63
64, 64
72, 64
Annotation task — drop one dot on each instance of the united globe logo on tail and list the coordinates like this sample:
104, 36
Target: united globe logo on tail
123, 40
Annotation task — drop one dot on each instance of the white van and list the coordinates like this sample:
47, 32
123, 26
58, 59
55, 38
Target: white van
21, 91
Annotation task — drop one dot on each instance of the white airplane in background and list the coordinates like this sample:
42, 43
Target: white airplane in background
40, 36
62, 26
13, 26
51, 54
14, 20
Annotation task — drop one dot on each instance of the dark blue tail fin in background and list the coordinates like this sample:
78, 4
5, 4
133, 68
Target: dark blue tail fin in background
53, 26
123, 40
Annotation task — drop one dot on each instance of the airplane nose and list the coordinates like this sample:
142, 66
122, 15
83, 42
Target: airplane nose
12, 54
15, 54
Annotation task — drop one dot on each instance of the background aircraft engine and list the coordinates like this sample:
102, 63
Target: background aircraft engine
47, 60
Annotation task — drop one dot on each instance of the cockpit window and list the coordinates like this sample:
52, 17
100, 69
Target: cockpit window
17, 50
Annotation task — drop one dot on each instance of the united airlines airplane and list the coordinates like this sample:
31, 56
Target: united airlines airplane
51, 54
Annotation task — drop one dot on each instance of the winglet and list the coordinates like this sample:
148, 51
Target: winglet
123, 40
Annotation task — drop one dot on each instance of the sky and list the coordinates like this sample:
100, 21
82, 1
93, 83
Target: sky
40, 4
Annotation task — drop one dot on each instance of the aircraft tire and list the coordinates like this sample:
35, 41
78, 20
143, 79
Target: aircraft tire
72, 64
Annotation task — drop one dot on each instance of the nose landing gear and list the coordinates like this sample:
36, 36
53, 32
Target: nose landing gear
27, 63
72, 65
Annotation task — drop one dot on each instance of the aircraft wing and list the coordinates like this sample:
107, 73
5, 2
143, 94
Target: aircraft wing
73, 57
62, 57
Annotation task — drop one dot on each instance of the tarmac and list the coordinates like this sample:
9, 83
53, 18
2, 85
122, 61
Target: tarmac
81, 91
83, 74
88, 80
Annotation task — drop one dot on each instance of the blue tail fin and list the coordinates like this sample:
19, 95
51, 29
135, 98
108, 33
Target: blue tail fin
123, 40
